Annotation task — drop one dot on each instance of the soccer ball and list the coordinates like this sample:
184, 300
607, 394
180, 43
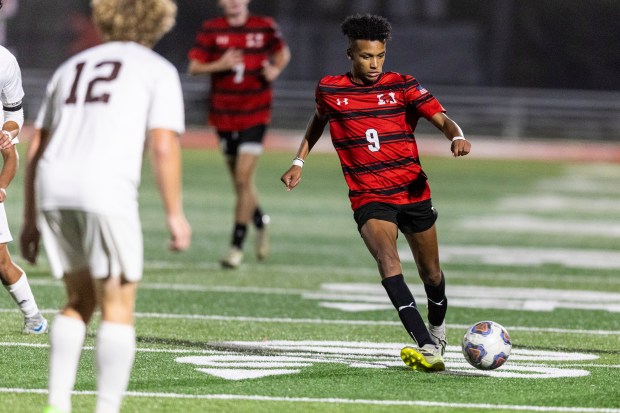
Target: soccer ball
486, 345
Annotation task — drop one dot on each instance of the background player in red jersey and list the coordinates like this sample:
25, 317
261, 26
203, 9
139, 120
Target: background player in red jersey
372, 117
243, 54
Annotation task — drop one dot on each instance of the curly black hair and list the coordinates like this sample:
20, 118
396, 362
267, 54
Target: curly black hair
0, 4
366, 27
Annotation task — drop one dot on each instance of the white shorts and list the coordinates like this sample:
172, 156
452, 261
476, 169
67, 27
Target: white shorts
5, 232
107, 246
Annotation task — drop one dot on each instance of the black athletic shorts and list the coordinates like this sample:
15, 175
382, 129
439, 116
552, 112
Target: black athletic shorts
410, 218
249, 140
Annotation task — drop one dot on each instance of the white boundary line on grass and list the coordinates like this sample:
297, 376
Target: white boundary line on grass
336, 322
365, 271
337, 401
357, 322
358, 271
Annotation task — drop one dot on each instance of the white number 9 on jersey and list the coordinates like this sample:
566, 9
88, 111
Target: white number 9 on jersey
372, 136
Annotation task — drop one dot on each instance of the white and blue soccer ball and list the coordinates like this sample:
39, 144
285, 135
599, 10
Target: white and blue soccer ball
486, 345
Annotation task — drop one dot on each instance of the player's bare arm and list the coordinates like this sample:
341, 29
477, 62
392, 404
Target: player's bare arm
30, 236
314, 130
452, 131
228, 61
271, 70
165, 152
9, 169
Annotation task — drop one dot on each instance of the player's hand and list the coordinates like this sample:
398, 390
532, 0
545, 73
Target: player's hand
29, 242
180, 233
6, 140
270, 71
292, 177
460, 147
231, 58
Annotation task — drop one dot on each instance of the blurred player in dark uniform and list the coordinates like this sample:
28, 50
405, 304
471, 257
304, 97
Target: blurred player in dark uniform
243, 54
372, 116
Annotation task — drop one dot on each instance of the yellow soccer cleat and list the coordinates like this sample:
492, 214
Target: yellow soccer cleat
427, 358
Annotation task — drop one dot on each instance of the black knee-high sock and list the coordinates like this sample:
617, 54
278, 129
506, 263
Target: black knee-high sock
403, 301
239, 235
258, 218
437, 302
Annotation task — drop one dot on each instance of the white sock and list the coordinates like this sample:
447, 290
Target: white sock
22, 294
115, 350
66, 339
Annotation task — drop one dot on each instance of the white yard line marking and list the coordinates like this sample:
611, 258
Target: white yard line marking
526, 256
536, 225
258, 398
557, 202
336, 322
359, 322
354, 296
363, 272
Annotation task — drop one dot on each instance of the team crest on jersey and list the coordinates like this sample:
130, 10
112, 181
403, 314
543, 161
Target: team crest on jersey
254, 40
343, 101
386, 98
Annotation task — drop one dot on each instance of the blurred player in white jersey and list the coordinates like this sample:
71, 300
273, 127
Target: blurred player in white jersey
101, 107
12, 276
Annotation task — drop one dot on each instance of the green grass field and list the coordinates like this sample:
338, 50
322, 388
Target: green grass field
531, 245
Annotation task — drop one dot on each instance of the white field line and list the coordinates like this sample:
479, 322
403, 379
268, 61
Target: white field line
607, 366
138, 349
553, 202
285, 320
535, 225
257, 398
363, 322
451, 274
371, 271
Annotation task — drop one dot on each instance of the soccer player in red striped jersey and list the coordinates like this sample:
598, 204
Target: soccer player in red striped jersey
244, 54
372, 116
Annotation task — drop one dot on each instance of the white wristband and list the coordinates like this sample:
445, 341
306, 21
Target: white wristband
298, 162
14, 140
456, 138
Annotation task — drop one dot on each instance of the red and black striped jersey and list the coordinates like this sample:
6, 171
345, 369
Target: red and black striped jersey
372, 127
239, 98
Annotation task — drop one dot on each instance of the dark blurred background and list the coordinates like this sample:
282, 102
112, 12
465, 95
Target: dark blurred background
514, 68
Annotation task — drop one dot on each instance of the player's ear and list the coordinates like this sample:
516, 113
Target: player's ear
349, 54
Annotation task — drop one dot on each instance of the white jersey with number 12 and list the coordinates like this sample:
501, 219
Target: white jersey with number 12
98, 108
